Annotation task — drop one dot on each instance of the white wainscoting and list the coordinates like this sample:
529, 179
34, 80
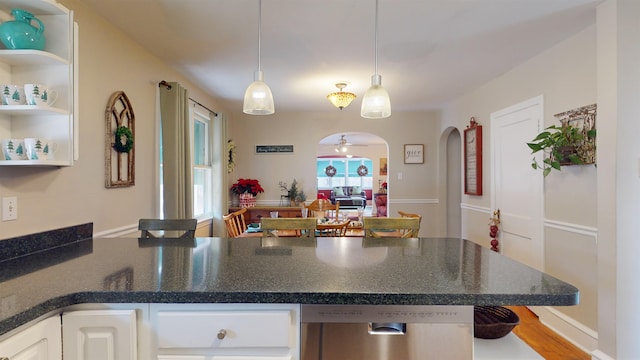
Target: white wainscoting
568, 327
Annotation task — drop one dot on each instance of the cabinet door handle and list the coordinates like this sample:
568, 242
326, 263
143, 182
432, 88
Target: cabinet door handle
221, 334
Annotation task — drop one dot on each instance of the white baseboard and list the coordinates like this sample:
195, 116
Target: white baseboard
573, 331
599, 355
131, 230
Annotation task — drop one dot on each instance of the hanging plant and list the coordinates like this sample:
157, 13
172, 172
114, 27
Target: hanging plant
123, 139
231, 150
562, 145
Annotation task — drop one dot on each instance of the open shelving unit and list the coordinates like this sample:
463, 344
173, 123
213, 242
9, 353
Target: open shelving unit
55, 66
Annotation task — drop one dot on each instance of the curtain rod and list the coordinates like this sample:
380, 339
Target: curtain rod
164, 83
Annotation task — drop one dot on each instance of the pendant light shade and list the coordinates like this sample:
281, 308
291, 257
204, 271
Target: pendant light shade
258, 99
375, 102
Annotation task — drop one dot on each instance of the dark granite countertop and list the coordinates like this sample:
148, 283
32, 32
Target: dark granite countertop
427, 271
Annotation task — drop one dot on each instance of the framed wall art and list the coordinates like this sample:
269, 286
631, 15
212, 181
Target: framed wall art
414, 153
383, 166
120, 132
473, 158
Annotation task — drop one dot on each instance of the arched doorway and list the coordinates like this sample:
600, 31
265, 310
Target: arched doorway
354, 159
451, 180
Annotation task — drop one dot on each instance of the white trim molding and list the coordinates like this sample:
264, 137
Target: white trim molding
572, 228
117, 232
413, 201
470, 207
573, 331
599, 355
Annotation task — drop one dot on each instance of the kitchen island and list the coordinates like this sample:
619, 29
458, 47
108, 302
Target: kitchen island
426, 271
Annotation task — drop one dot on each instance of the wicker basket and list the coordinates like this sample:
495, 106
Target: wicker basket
493, 322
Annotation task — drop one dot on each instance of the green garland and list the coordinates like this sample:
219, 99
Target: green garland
119, 145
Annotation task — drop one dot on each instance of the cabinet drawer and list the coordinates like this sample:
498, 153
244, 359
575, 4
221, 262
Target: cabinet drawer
243, 329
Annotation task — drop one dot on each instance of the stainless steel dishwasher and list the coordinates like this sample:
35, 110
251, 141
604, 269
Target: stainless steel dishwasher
377, 332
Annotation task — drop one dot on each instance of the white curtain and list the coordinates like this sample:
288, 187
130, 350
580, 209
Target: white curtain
176, 152
219, 165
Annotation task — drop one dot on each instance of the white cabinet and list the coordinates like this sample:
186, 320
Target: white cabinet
41, 341
225, 331
99, 334
53, 67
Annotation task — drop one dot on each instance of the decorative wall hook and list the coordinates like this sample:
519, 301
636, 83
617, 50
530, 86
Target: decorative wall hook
493, 230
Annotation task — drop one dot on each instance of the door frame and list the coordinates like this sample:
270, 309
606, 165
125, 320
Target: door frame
535, 101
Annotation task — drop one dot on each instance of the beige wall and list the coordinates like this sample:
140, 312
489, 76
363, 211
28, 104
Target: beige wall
566, 77
50, 198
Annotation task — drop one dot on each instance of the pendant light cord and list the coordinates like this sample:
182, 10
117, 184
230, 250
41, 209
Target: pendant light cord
259, 34
375, 39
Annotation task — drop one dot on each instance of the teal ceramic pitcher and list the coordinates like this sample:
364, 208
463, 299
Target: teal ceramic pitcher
20, 34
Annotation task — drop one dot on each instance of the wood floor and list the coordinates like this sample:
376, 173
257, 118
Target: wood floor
542, 339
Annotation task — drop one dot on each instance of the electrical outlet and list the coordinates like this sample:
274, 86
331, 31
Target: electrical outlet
9, 208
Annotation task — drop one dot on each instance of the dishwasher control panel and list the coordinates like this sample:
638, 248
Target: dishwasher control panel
438, 314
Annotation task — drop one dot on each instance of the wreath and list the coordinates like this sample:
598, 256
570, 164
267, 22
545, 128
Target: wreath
330, 170
362, 170
123, 140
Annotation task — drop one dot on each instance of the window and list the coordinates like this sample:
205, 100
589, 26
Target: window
346, 173
202, 170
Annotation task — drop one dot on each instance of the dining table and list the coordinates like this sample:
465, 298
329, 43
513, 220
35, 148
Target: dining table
253, 230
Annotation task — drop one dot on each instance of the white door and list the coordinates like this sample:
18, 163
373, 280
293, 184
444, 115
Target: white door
517, 187
99, 335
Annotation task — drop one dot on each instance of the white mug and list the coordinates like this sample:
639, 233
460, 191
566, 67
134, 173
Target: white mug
38, 94
40, 149
12, 95
13, 149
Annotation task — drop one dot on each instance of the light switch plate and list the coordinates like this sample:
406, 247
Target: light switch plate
9, 208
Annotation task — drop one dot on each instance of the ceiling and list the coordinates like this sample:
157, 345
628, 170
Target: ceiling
429, 51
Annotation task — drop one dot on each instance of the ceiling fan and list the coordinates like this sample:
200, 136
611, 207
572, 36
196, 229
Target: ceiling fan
343, 144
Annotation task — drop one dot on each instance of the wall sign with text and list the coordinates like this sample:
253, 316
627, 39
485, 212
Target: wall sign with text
269, 149
413, 153
473, 158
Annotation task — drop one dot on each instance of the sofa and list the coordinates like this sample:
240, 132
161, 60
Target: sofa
349, 196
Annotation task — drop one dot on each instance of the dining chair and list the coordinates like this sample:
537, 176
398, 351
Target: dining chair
323, 208
235, 223
171, 228
409, 215
391, 227
296, 227
333, 229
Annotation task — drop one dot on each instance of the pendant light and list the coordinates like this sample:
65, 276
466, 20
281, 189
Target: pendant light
258, 99
376, 103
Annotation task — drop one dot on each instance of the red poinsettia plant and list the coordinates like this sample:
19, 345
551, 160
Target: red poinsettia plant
250, 186
384, 185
